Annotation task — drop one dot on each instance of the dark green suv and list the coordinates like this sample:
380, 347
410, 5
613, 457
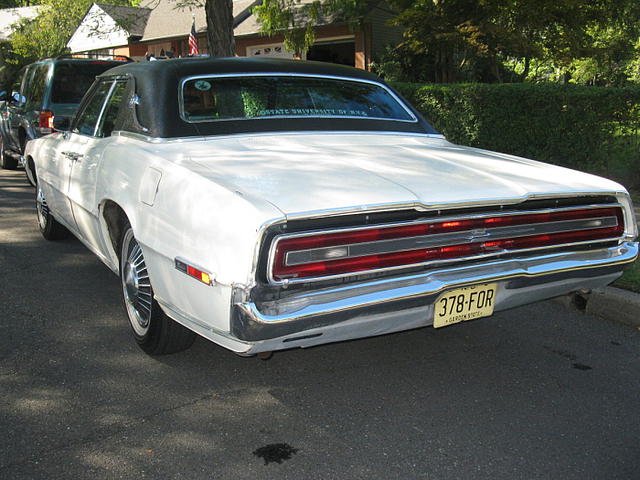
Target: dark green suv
44, 97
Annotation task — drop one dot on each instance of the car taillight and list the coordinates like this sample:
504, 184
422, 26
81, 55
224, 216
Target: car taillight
359, 250
45, 121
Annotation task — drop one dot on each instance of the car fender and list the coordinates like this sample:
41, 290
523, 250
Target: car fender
176, 213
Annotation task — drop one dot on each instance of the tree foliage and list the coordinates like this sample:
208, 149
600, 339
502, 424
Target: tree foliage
48, 33
588, 41
454, 31
297, 19
16, 3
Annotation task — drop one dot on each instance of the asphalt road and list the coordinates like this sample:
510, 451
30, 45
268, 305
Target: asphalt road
536, 392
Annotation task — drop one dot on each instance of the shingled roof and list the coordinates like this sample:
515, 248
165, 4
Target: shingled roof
167, 20
131, 19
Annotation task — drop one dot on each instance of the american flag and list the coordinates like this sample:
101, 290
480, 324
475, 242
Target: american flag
193, 43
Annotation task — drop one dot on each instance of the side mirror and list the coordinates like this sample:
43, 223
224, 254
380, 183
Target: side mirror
61, 123
18, 99
3, 96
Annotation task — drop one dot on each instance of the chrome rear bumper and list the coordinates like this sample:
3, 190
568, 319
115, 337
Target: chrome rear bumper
394, 304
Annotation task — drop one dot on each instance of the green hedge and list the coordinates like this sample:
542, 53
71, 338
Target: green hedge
588, 128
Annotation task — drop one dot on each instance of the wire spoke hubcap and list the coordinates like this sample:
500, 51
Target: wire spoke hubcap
137, 287
42, 209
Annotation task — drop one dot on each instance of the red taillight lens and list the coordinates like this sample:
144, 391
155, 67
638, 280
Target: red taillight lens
46, 119
475, 245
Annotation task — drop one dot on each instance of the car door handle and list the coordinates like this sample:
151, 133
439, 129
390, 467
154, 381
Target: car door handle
73, 156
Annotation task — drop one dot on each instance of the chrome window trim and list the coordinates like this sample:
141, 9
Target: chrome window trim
100, 123
206, 138
114, 81
278, 238
102, 108
289, 74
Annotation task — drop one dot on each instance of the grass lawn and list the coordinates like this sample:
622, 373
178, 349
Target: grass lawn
630, 279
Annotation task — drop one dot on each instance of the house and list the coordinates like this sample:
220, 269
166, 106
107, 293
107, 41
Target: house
109, 29
155, 27
160, 27
10, 16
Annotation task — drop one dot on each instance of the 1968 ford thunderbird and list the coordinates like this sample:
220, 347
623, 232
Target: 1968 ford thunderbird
269, 204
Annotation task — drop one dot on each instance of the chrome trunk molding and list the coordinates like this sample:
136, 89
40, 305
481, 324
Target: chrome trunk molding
300, 257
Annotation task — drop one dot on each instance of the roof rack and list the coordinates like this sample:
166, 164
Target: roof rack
97, 56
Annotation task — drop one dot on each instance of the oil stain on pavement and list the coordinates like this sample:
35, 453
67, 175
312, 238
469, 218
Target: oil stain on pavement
275, 452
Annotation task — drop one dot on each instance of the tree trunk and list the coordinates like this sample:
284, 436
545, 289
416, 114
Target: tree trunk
527, 69
495, 69
220, 28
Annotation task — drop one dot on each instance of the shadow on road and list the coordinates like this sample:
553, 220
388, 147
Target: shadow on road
496, 398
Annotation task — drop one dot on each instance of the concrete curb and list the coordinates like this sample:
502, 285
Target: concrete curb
615, 304
611, 303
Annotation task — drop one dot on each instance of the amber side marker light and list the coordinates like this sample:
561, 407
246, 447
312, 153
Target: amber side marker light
194, 272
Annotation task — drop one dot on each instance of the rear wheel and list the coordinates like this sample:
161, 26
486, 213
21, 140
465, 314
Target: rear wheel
50, 228
6, 162
153, 330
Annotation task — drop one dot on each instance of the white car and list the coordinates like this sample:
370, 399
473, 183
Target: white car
271, 204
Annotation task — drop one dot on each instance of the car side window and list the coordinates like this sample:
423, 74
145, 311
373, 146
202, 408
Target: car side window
38, 84
87, 121
17, 88
26, 83
111, 109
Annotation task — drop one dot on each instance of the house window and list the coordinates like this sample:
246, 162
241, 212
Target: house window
100, 53
342, 52
272, 51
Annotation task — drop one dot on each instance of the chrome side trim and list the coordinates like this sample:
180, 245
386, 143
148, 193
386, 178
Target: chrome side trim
289, 74
253, 320
353, 250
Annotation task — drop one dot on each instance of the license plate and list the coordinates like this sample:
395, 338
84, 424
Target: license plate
464, 304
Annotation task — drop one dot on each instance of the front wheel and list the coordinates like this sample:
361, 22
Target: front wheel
153, 330
50, 228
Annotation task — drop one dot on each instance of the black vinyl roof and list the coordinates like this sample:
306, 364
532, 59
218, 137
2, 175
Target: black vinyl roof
157, 83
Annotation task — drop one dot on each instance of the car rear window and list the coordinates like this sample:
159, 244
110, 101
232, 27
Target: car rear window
248, 97
72, 80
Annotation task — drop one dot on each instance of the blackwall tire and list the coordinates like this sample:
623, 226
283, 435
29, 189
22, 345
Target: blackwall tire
30, 171
153, 330
6, 162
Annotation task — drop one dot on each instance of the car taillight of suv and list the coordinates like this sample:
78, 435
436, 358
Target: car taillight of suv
45, 122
